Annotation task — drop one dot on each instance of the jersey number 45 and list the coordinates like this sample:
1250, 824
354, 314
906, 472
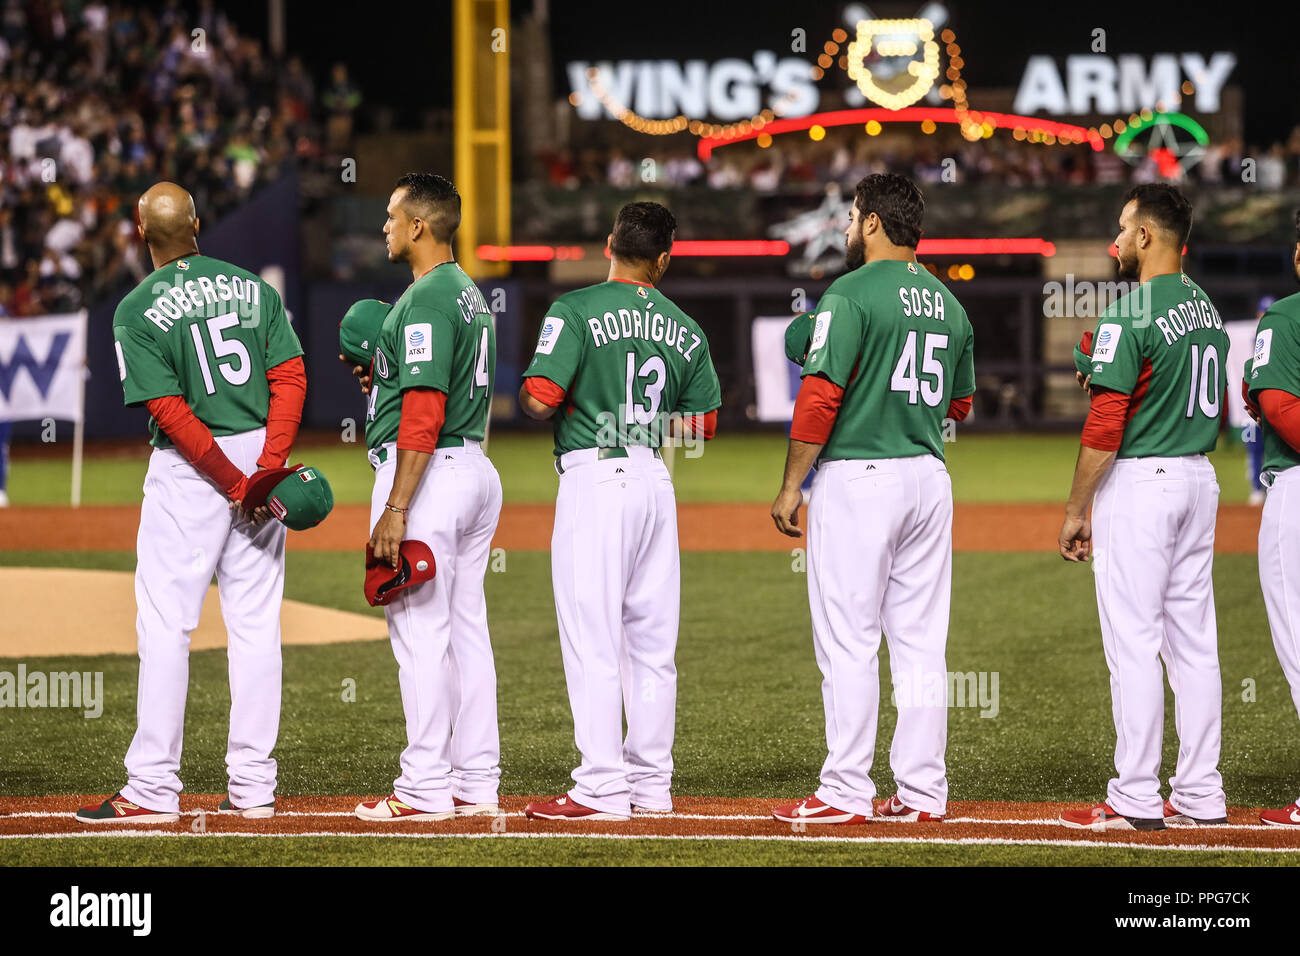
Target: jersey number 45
929, 384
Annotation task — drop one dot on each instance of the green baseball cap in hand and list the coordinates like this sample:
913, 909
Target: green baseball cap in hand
360, 329
302, 499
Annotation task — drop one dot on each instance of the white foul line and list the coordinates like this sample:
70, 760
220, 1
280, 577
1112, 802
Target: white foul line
1044, 821
729, 837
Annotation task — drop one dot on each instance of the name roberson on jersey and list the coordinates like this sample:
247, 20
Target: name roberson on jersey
205, 330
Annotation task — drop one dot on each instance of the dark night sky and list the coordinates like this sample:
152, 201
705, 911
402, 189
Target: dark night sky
401, 53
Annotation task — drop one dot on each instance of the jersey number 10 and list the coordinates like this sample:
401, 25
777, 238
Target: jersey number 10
1205, 382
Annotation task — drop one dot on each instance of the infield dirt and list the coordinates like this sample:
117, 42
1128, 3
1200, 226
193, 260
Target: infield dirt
527, 527
695, 817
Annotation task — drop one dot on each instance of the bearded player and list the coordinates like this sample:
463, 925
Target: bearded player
891, 355
1156, 377
1273, 383
618, 367
207, 348
430, 395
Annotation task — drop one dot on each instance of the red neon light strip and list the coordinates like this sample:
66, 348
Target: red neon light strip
985, 247
728, 247
775, 247
911, 114
528, 253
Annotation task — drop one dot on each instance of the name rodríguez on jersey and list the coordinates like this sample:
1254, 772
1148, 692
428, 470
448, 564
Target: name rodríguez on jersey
1197, 312
634, 324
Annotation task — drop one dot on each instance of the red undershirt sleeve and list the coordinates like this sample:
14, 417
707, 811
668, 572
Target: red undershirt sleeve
815, 410
424, 411
1104, 429
288, 382
959, 408
1282, 412
194, 440
701, 426
544, 390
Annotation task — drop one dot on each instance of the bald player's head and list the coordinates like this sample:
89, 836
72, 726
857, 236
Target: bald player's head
167, 218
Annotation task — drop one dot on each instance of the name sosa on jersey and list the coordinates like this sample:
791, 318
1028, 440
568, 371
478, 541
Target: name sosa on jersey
191, 296
921, 302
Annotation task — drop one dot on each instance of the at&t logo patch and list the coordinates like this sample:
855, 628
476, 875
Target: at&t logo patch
551, 329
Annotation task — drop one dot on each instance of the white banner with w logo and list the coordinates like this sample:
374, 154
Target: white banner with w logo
43, 376
43, 367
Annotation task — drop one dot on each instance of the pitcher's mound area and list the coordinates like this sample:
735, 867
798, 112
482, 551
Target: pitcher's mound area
93, 612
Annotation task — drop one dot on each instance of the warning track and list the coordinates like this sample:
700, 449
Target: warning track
696, 818
527, 527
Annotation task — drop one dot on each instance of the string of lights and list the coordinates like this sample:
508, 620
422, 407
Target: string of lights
974, 124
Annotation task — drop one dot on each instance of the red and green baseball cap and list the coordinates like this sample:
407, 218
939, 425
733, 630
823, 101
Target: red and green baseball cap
360, 328
384, 582
299, 496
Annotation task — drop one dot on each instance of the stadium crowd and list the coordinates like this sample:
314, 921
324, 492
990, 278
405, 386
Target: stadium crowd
792, 162
99, 100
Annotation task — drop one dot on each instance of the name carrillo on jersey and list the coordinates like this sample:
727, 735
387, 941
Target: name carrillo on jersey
205, 297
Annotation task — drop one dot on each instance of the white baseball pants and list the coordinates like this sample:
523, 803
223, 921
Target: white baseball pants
880, 556
1153, 553
439, 631
616, 572
187, 533
1279, 572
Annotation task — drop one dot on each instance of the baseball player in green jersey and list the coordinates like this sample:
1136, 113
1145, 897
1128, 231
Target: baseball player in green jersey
207, 348
891, 355
430, 392
619, 367
1156, 381
1272, 380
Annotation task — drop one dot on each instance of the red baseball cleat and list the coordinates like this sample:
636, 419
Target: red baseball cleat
1286, 817
1101, 817
118, 809
1174, 815
895, 809
564, 808
463, 808
812, 810
389, 809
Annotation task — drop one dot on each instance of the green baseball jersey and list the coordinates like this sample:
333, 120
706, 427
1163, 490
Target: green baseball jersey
900, 345
1164, 345
207, 331
438, 335
1276, 364
628, 359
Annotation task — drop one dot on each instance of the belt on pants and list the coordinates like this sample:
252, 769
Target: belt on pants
380, 455
585, 456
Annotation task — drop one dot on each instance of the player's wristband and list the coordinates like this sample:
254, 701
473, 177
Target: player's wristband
396, 510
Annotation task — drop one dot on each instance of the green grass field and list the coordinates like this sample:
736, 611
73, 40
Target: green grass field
749, 714
746, 467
